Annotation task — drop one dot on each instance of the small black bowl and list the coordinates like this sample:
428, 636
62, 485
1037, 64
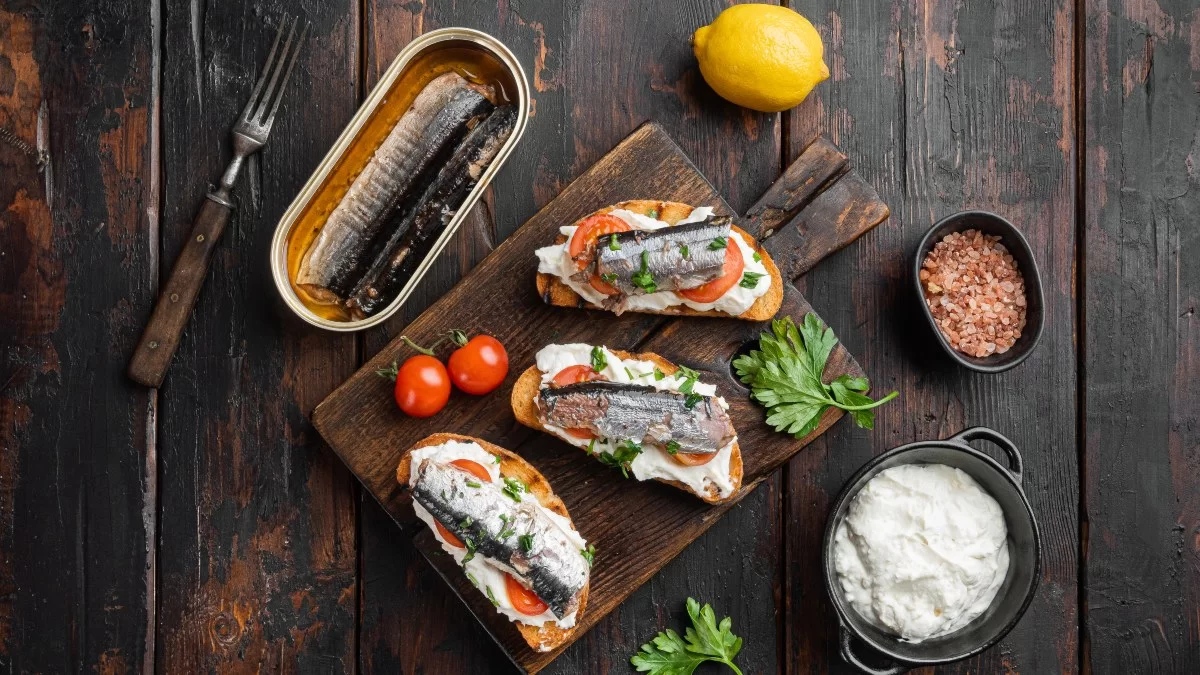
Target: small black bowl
1014, 241
1024, 551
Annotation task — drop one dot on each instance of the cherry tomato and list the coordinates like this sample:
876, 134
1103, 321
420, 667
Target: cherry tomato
523, 600
479, 366
731, 275
583, 242
422, 386
571, 375
477, 470
693, 459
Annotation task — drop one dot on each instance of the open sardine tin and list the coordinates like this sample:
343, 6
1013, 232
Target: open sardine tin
425, 47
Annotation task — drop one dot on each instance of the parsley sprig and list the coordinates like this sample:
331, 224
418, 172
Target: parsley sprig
642, 278
704, 640
599, 359
621, 456
784, 375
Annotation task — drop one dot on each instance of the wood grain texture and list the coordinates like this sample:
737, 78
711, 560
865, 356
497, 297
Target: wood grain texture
257, 559
76, 462
598, 70
1142, 349
500, 291
942, 106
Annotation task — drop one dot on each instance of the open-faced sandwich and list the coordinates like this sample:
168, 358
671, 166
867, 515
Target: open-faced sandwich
660, 258
635, 412
497, 516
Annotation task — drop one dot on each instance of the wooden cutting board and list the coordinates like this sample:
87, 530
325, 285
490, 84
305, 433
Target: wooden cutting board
816, 207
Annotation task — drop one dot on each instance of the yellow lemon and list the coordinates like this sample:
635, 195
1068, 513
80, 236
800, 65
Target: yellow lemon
762, 57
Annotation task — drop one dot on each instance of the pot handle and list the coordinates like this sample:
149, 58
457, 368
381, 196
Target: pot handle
1016, 464
850, 657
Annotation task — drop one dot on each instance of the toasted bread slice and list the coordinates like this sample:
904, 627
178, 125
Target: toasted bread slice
525, 390
550, 635
555, 292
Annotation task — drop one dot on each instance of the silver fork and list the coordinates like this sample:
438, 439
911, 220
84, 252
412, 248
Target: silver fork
153, 354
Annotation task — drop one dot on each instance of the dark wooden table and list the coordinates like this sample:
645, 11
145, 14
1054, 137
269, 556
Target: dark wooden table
205, 527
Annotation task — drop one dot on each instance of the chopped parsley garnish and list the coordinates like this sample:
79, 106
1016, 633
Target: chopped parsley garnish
612, 243
526, 542
683, 251
589, 554
659, 374
492, 597
591, 448
608, 277
599, 360
717, 244
466, 522
689, 378
757, 257
513, 487
630, 374
691, 400
750, 279
672, 447
496, 458
642, 278
470, 544
507, 531
652, 213
474, 581
621, 456
474, 484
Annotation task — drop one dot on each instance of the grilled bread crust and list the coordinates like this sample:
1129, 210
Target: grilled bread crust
554, 292
525, 390
550, 635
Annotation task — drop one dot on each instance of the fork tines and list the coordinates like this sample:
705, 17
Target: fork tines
260, 110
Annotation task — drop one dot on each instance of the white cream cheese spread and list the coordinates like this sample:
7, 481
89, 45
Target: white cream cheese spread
922, 551
653, 462
486, 574
556, 260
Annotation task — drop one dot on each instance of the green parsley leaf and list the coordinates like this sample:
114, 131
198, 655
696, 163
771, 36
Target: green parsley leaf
785, 372
492, 597
683, 251
470, 544
589, 554
513, 487
496, 458
608, 277
659, 374
652, 213
717, 244
691, 400
526, 542
599, 359
591, 448
630, 374
474, 581
642, 278
621, 456
672, 447
466, 522
706, 640
506, 531
757, 257
474, 484
750, 279
689, 378
612, 243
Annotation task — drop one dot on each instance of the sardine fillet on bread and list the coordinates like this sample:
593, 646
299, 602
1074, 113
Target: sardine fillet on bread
549, 636
554, 292
525, 390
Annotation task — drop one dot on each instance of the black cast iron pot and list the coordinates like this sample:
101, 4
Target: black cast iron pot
1024, 548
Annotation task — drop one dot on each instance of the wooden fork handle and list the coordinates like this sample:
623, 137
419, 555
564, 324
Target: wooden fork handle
153, 354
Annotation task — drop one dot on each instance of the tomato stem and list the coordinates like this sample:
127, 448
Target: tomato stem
459, 337
419, 348
390, 373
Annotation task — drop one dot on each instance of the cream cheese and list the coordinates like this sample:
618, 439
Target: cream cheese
653, 462
485, 573
922, 551
556, 260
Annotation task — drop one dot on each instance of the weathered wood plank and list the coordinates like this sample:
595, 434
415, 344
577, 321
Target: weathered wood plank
258, 552
598, 70
1142, 337
77, 461
941, 106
